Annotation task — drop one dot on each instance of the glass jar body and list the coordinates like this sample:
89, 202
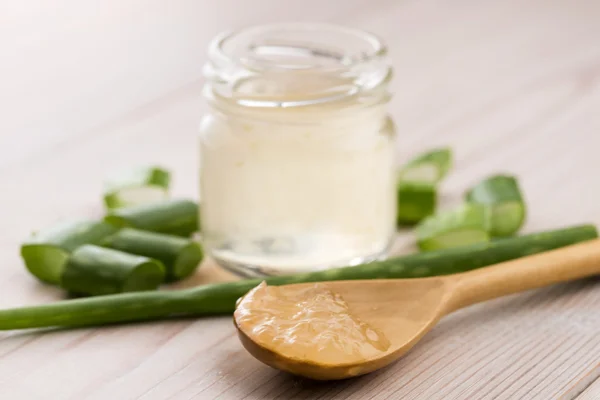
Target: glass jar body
281, 197
297, 150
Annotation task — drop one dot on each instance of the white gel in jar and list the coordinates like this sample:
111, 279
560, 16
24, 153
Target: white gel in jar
297, 150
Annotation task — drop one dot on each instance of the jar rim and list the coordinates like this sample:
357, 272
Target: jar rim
357, 57
249, 41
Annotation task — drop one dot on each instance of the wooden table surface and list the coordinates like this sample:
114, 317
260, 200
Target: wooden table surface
512, 86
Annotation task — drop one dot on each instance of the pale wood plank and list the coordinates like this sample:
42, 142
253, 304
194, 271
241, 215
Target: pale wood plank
73, 65
593, 391
512, 86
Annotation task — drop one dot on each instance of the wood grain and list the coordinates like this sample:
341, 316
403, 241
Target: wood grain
511, 85
74, 64
592, 392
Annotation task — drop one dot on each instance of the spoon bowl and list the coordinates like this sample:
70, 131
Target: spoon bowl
402, 310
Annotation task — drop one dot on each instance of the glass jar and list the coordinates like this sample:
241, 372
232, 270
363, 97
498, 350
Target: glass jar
297, 150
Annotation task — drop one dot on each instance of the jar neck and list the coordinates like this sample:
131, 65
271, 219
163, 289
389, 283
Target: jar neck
307, 69
346, 110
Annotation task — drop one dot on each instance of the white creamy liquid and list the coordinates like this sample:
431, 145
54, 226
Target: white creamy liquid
283, 195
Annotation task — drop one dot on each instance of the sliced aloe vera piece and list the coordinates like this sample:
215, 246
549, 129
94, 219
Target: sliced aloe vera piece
462, 226
180, 256
137, 186
94, 270
417, 185
175, 217
430, 167
415, 202
501, 193
46, 252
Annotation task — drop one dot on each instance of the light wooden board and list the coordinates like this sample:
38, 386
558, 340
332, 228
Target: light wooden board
511, 85
592, 392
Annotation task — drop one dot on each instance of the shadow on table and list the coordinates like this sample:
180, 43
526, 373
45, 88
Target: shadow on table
529, 309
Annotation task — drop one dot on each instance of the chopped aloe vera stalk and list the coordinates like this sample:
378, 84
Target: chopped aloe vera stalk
180, 256
430, 167
416, 188
465, 225
415, 202
137, 186
94, 270
220, 298
46, 252
176, 217
502, 194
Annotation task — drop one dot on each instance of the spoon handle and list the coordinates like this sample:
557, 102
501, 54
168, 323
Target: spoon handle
561, 265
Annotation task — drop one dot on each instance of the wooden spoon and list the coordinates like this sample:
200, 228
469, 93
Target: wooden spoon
404, 310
